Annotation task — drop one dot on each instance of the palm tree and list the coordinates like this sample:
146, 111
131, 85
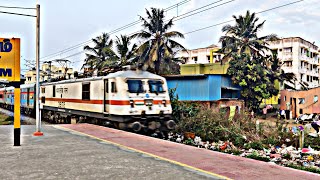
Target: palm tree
242, 38
158, 43
101, 54
126, 54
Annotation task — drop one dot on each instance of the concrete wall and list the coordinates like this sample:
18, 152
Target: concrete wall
293, 101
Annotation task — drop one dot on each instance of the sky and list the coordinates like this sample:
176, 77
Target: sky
66, 23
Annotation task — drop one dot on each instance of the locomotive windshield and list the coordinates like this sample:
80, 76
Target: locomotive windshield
155, 86
135, 86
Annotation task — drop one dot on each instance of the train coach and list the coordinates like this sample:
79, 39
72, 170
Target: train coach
27, 99
136, 100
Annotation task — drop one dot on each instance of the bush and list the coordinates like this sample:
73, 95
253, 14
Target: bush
257, 157
310, 169
214, 126
313, 142
180, 109
256, 145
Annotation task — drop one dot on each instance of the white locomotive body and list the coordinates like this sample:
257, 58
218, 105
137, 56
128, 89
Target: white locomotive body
128, 99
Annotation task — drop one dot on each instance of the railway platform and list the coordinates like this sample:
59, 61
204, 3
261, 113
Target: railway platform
85, 151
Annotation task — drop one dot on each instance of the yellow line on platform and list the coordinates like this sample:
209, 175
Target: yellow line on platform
143, 152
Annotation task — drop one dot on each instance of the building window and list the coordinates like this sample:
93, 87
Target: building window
86, 91
195, 59
29, 78
301, 100
300, 111
54, 91
301, 76
289, 49
284, 98
208, 58
43, 90
307, 78
315, 98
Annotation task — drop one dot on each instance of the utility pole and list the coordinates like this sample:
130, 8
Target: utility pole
38, 116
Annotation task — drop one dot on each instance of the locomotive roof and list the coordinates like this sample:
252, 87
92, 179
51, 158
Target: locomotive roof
122, 74
27, 85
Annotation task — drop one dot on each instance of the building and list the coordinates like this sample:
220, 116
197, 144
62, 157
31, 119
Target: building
207, 84
201, 55
299, 57
301, 102
49, 72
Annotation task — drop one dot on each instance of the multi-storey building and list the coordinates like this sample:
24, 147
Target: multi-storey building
48, 72
201, 55
299, 57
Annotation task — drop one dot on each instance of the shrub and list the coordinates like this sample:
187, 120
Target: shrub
181, 109
310, 169
256, 145
257, 157
313, 142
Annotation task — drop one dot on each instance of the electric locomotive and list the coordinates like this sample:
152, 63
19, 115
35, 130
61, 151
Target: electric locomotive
135, 100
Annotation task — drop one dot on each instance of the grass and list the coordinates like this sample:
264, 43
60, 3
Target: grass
5, 119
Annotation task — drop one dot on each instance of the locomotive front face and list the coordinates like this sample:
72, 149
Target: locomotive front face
148, 97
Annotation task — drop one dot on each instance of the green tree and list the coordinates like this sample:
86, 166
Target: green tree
158, 42
251, 66
101, 55
125, 51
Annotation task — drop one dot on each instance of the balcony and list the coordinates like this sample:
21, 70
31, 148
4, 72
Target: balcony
287, 69
287, 56
314, 61
314, 73
302, 70
313, 84
304, 57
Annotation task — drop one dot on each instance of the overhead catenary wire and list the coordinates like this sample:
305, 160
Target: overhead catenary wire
224, 22
15, 7
181, 17
270, 9
5, 12
111, 32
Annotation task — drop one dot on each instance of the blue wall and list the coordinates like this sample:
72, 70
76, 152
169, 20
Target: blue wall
203, 88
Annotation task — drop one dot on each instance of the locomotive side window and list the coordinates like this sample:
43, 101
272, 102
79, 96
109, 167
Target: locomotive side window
107, 86
86, 91
54, 91
155, 86
135, 86
113, 87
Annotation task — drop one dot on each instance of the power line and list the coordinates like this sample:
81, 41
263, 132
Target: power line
190, 32
137, 22
188, 13
111, 32
13, 7
4, 12
184, 15
277, 7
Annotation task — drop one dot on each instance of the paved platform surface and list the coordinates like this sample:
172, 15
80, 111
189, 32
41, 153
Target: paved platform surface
207, 161
61, 154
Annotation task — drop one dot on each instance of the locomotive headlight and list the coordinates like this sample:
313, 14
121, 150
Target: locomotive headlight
164, 103
131, 103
